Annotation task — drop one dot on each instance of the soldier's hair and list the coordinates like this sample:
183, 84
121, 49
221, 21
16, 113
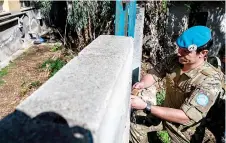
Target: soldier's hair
207, 46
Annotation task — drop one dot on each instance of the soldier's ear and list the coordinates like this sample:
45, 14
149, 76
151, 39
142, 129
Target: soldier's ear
203, 53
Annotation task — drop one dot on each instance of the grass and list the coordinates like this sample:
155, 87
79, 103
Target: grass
53, 65
162, 135
23, 76
55, 47
3, 72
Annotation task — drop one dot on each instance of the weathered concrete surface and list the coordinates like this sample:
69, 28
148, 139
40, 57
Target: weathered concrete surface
138, 42
91, 92
9, 43
16, 53
14, 37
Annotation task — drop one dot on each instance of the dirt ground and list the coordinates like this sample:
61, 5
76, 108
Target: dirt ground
23, 77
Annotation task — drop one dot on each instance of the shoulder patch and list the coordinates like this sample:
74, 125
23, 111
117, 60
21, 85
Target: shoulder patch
202, 99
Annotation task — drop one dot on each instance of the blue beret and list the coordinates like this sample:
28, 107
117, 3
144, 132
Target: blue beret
194, 37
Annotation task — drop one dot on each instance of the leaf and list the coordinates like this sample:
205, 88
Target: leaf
163, 136
160, 97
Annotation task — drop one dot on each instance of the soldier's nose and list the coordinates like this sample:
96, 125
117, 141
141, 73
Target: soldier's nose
179, 52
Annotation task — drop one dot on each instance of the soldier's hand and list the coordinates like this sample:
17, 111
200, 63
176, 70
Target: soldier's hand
139, 85
137, 103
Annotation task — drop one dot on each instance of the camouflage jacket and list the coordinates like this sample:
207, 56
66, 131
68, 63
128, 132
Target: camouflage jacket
194, 92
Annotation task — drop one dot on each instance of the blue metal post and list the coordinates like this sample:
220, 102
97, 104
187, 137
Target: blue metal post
132, 18
125, 18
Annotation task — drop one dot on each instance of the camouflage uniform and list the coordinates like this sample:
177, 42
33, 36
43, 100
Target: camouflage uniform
193, 92
216, 115
140, 121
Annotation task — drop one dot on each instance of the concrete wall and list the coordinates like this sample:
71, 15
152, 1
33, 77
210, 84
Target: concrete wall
138, 41
14, 37
86, 101
179, 17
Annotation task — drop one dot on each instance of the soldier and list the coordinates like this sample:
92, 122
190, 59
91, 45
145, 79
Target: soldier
192, 87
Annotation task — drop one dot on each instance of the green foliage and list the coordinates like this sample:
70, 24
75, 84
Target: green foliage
160, 97
163, 136
188, 6
56, 47
11, 64
45, 7
25, 88
164, 5
80, 13
35, 84
53, 65
3, 72
78, 22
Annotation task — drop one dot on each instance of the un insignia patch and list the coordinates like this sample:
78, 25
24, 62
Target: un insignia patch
202, 99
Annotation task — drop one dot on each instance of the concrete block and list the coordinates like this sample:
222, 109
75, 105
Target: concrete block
89, 95
138, 42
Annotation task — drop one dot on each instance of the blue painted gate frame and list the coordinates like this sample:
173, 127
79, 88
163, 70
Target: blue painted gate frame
125, 17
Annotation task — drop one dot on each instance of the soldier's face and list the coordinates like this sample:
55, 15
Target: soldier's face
186, 56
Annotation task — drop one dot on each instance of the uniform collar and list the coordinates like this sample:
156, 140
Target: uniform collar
192, 73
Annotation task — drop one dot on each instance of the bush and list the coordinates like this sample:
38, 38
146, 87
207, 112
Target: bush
53, 65
78, 22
